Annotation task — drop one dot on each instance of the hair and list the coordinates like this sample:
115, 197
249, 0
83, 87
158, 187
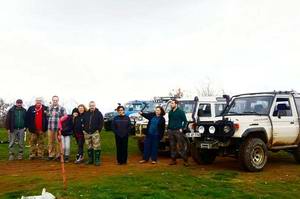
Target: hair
162, 110
175, 101
120, 107
75, 110
82, 105
92, 102
55, 96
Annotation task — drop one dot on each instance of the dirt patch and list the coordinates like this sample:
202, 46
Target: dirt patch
12, 173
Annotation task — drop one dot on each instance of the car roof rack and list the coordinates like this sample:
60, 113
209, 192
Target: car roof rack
271, 93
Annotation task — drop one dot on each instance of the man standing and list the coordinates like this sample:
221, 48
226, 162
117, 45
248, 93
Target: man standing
37, 123
92, 126
177, 122
55, 113
15, 124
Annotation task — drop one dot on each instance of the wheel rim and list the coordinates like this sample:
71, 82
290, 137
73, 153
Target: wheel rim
258, 155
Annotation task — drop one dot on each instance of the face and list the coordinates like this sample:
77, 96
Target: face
92, 106
38, 103
19, 105
121, 112
55, 101
75, 114
81, 109
173, 105
157, 111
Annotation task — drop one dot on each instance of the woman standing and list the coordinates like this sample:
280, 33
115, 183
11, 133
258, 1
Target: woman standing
78, 132
154, 133
121, 126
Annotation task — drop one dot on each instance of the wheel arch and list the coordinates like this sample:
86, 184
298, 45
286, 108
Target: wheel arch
259, 132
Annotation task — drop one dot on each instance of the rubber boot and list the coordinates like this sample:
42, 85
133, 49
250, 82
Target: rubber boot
90, 156
97, 157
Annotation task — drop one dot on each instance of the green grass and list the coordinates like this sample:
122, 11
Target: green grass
169, 182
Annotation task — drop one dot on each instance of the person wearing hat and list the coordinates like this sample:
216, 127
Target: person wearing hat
16, 125
37, 124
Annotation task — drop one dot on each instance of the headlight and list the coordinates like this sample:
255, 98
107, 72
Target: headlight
201, 129
212, 129
227, 129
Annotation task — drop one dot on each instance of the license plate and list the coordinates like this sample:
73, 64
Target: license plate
192, 135
206, 146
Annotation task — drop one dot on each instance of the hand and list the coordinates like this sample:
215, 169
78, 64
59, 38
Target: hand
8, 131
140, 112
180, 130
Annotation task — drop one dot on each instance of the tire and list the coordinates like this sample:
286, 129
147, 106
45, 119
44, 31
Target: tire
194, 153
140, 144
296, 154
253, 155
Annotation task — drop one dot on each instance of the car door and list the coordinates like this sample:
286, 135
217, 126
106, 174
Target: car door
285, 121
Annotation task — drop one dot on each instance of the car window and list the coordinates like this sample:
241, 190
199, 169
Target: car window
186, 106
298, 104
204, 110
219, 109
283, 108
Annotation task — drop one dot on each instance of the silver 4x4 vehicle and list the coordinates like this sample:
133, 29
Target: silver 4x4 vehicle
250, 126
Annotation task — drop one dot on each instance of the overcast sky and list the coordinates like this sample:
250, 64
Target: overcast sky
114, 51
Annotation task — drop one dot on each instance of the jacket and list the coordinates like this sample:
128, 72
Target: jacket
30, 119
161, 124
93, 121
10, 118
121, 126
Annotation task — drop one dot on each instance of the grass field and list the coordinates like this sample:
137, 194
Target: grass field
280, 179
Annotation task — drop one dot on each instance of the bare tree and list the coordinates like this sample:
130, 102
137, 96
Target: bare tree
207, 90
176, 93
3, 112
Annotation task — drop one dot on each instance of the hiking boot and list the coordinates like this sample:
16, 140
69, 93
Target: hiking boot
90, 156
173, 162
50, 158
97, 157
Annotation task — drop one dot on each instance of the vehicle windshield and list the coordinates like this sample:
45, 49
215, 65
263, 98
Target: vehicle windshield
219, 109
250, 105
134, 107
151, 107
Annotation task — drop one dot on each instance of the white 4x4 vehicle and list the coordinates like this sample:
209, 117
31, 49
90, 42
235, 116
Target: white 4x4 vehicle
251, 125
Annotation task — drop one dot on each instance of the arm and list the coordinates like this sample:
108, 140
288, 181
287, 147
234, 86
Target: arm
113, 125
7, 121
101, 122
148, 116
184, 120
163, 127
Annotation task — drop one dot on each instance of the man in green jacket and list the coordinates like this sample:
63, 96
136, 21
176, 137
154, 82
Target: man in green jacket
15, 125
177, 123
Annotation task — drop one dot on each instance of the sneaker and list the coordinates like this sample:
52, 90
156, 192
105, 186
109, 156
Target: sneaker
154, 162
143, 161
11, 158
50, 158
32, 157
66, 159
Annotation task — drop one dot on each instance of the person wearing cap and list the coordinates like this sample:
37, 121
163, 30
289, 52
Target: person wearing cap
16, 125
37, 124
55, 112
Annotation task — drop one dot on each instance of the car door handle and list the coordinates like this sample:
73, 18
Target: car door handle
292, 122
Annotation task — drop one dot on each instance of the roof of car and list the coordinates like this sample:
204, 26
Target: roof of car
269, 93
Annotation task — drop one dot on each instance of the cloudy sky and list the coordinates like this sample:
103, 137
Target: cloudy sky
113, 51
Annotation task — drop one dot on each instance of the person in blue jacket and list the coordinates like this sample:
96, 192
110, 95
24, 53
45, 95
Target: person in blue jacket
155, 132
121, 126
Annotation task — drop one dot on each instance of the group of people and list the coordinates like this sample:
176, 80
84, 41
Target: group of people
85, 125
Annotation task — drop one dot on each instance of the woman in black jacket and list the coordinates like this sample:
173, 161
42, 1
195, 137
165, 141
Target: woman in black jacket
78, 131
155, 132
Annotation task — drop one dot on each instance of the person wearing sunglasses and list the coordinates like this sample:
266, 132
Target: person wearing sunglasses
121, 126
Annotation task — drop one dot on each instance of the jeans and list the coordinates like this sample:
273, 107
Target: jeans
178, 144
122, 149
16, 136
66, 144
151, 147
80, 142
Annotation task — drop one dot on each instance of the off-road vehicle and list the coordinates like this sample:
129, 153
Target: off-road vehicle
251, 125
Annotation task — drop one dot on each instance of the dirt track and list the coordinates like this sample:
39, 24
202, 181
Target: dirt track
278, 168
